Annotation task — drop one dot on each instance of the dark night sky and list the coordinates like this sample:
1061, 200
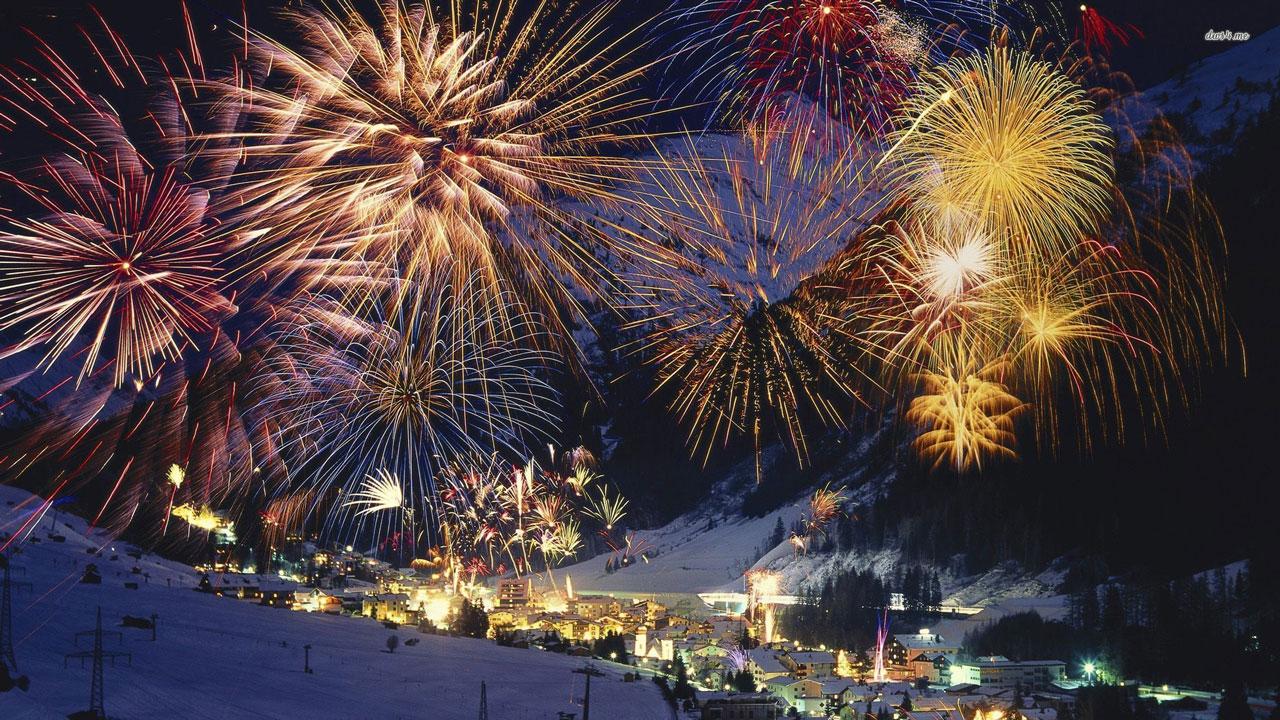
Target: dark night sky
1174, 30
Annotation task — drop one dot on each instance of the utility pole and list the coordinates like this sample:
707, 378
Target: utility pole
484, 702
95, 687
589, 671
98, 654
6, 620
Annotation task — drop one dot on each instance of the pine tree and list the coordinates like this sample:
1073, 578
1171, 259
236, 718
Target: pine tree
1235, 706
682, 688
779, 534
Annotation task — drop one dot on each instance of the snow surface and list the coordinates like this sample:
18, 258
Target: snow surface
225, 658
1215, 98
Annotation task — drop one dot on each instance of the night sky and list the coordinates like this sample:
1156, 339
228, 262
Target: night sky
1173, 29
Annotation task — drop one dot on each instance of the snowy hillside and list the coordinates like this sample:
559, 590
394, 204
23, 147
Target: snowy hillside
225, 658
1213, 100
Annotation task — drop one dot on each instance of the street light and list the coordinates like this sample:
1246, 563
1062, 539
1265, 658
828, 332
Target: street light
1089, 670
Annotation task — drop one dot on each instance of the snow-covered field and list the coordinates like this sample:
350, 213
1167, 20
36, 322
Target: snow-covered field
225, 658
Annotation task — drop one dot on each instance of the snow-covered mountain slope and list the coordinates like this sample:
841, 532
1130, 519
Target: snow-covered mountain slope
224, 658
711, 547
1215, 98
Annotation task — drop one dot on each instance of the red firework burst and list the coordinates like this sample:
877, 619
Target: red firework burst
1100, 33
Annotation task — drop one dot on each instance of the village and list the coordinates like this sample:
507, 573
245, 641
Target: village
712, 663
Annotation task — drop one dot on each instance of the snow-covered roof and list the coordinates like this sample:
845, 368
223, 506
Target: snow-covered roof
922, 641
1000, 660
766, 660
815, 657
835, 687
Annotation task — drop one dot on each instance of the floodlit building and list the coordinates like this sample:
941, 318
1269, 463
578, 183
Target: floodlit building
904, 648
387, 607
1001, 672
656, 647
593, 607
514, 592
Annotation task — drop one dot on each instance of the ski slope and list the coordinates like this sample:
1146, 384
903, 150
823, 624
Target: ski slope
226, 658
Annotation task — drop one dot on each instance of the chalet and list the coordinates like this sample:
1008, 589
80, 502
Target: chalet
317, 600
902, 648
810, 664
386, 607
765, 666
278, 594
804, 695
607, 625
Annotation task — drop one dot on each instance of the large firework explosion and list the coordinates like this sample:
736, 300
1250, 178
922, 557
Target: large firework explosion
1005, 141
1022, 275
322, 282
374, 402
740, 344
422, 135
118, 280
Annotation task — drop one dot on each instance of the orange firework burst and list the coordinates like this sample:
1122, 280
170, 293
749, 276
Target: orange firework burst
421, 136
967, 416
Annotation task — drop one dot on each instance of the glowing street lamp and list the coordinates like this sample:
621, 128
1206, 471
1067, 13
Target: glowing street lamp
1089, 670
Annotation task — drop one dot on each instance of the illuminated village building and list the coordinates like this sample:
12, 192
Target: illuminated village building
514, 592
903, 649
1001, 672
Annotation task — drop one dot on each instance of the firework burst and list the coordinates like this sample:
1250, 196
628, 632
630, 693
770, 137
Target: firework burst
119, 273
740, 341
966, 417
420, 137
405, 387
497, 517
828, 71
1004, 140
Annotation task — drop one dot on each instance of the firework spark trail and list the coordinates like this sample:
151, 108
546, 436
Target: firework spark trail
425, 136
739, 342
1099, 33
405, 387
124, 266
